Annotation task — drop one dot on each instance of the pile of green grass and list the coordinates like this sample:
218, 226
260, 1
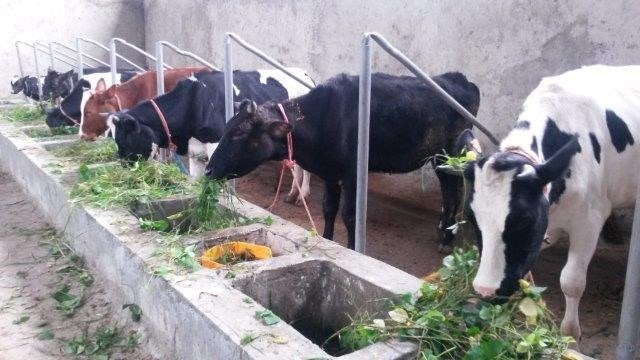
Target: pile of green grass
116, 185
448, 321
42, 132
25, 114
89, 152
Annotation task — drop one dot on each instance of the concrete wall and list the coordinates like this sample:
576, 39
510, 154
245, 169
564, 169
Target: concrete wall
63, 20
505, 46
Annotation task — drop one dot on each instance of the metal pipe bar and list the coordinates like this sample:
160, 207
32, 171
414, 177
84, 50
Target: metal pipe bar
80, 54
48, 51
404, 60
267, 58
362, 180
189, 55
160, 56
35, 60
630, 313
229, 110
364, 104
159, 69
113, 54
18, 43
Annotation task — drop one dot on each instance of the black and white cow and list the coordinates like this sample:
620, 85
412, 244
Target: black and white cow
571, 158
28, 85
69, 113
409, 124
195, 113
59, 85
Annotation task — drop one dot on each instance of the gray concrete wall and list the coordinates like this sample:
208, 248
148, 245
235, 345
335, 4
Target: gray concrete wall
504, 46
63, 20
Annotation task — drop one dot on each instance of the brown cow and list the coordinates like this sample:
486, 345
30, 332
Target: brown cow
125, 96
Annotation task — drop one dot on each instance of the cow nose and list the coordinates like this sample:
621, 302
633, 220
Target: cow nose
484, 291
207, 172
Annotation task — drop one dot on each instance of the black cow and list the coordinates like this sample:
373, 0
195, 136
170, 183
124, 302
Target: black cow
69, 112
409, 124
28, 85
59, 85
193, 109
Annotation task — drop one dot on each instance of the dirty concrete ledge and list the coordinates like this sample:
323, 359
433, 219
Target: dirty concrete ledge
204, 315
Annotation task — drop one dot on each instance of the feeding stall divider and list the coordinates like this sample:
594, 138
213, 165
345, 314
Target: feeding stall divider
364, 103
81, 54
160, 60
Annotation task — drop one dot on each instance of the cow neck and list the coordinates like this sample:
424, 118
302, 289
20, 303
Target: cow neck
165, 126
533, 161
300, 142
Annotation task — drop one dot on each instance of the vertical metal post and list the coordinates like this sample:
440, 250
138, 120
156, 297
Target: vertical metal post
364, 103
630, 313
35, 60
159, 68
112, 60
51, 56
20, 65
228, 87
228, 79
79, 52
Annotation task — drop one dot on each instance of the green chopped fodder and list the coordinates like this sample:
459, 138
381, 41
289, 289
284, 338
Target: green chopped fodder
115, 185
25, 114
89, 152
448, 321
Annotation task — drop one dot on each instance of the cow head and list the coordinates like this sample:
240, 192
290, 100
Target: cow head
102, 101
57, 85
253, 136
68, 113
508, 209
135, 141
17, 84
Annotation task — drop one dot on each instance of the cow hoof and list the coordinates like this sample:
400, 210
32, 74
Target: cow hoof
445, 249
291, 199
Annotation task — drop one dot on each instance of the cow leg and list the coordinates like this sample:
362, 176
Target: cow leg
330, 205
450, 190
293, 193
305, 188
349, 211
582, 244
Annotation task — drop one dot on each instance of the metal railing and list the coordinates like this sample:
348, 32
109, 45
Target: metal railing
160, 60
364, 102
113, 56
35, 49
73, 58
81, 54
228, 69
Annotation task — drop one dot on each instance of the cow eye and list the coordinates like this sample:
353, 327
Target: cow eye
238, 133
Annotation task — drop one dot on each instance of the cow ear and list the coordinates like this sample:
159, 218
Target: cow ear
558, 163
111, 92
67, 75
101, 85
278, 129
129, 124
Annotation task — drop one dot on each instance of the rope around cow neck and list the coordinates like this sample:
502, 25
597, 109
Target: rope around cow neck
289, 163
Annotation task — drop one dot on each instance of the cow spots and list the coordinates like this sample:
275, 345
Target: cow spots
524, 125
596, 146
554, 138
534, 145
619, 131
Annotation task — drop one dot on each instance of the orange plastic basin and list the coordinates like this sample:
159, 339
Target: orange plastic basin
210, 257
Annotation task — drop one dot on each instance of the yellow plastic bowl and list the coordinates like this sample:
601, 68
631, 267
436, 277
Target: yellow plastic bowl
211, 255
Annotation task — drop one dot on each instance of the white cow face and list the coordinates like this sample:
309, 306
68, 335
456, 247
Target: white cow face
509, 211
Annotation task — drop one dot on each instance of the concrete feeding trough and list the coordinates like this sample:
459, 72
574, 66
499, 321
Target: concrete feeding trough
311, 283
316, 297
